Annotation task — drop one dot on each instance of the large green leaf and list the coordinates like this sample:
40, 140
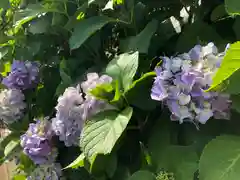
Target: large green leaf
86, 28
102, 131
221, 159
124, 68
141, 41
180, 160
232, 7
230, 64
142, 175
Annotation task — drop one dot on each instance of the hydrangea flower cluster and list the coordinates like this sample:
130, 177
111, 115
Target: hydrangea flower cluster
11, 105
36, 142
23, 75
47, 172
73, 109
68, 121
181, 83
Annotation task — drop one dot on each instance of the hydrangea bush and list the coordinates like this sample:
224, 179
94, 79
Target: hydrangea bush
120, 90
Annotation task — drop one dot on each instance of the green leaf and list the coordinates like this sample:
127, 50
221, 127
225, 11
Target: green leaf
103, 91
118, 2
86, 28
6, 68
4, 4
141, 41
142, 175
218, 13
236, 102
6, 140
66, 79
102, 131
192, 34
39, 26
19, 177
181, 160
139, 93
124, 68
23, 16
236, 27
221, 159
111, 165
232, 7
230, 64
79, 162
104, 164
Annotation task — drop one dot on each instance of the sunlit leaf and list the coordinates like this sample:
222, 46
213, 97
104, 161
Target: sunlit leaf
102, 131
230, 64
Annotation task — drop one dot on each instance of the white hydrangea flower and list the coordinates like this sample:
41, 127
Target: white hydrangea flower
11, 105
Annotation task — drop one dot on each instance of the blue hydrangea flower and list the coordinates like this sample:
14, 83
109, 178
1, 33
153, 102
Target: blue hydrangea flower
12, 105
36, 142
181, 83
23, 75
73, 110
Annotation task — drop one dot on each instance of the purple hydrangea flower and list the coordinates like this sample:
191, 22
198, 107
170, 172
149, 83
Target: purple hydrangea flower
181, 83
73, 110
12, 105
23, 75
36, 142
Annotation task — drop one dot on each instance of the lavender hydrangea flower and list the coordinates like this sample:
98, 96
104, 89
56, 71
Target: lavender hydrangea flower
181, 83
73, 110
11, 105
23, 75
36, 142
47, 172
68, 121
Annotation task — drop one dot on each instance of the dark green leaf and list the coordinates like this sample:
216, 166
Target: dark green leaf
140, 42
232, 7
221, 159
142, 175
86, 28
4, 4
